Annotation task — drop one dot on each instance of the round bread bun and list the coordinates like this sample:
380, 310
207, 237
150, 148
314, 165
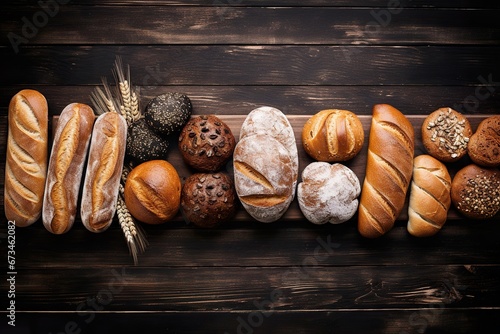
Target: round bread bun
167, 113
206, 143
153, 192
143, 144
445, 134
208, 199
328, 193
333, 135
475, 191
484, 144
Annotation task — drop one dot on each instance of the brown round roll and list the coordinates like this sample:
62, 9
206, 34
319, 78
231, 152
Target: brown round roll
153, 192
484, 144
475, 191
208, 199
206, 143
333, 135
445, 134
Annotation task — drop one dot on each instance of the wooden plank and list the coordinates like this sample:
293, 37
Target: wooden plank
231, 65
262, 25
434, 319
292, 100
300, 288
251, 244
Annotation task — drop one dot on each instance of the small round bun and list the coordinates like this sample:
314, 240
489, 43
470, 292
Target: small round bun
484, 145
445, 134
475, 191
143, 144
328, 193
333, 135
153, 192
208, 199
206, 143
167, 113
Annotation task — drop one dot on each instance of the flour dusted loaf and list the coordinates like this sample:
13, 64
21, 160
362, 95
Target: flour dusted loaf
333, 135
26, 157
328, 193
430, 196
66, 164
103, 172
265, 163
388, 171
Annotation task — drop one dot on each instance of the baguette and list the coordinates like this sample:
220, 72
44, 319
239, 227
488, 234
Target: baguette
430, 197
103, 172
388, 171
26, 157
65, 170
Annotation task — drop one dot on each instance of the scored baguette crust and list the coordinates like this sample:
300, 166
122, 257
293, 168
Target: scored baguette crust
65, 170
388, 171
263, 178
26, 157
430, 197
103, 172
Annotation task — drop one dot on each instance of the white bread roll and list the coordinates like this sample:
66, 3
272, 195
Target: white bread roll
65, 170
388, 171
103, 172
26, 157
430, 197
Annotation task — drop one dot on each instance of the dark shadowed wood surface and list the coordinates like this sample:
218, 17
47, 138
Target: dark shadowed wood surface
230, 57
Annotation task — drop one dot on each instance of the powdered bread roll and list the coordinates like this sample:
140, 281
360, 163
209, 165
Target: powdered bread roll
263, 177
65, 171
328, 193
388, 171
103, 172
26, 157
429, 196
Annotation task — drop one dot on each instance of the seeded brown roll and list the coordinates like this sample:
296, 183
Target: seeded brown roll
208, 199
153, 192
475, 191
484, 145
445, 134
206, 143
167, 113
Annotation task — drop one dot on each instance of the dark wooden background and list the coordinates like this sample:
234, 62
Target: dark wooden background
230, 56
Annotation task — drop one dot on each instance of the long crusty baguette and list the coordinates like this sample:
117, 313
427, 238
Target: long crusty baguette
26, 162
430, 197
103, 172
388, 171
65, 170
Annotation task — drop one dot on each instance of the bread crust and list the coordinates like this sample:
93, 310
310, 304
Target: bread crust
430, 197
484, 144
103, 172
66, 165
26, 157
333, 135
388, 171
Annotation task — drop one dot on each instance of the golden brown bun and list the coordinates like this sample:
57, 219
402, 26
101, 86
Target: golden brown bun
484, 144
153, 192
388, 171
206, 143
208, 199
429, 196
65, 171
26, 157
103, 172
333, 135
475, 191
445, 133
